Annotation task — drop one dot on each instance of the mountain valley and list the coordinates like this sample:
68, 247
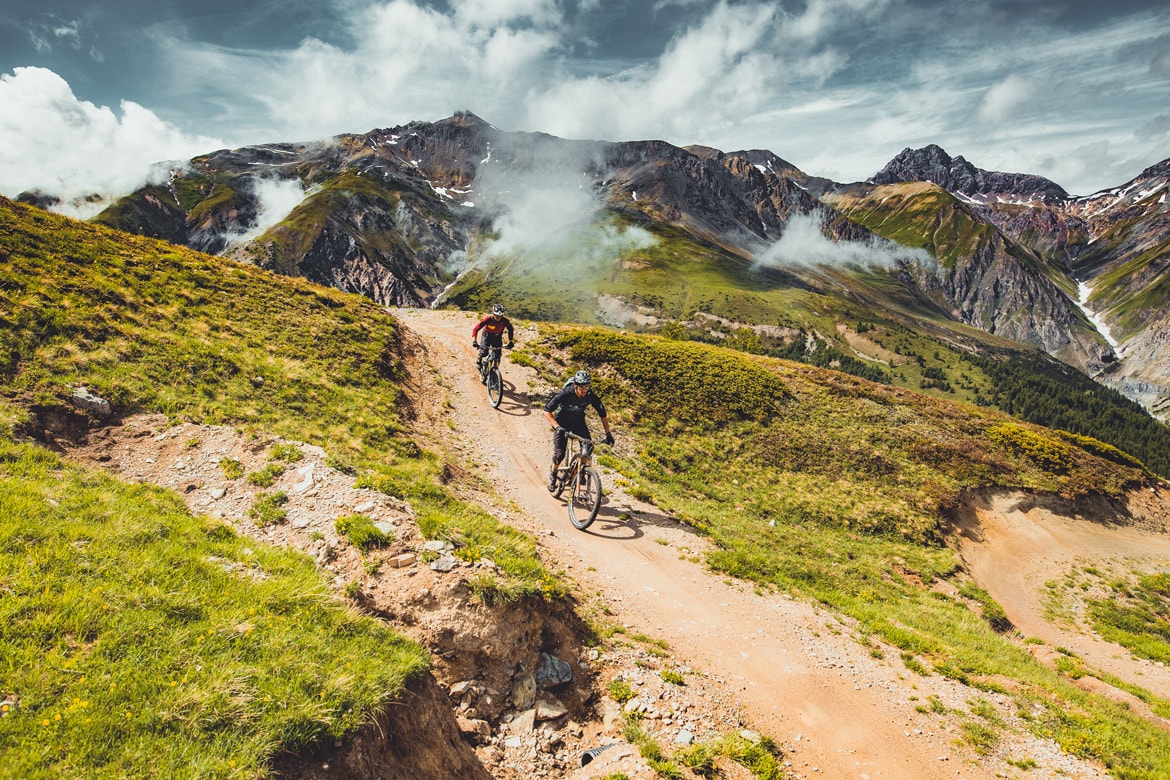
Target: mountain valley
859, 521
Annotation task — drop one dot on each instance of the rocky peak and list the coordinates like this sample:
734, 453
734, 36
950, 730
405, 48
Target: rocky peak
767, 162
954, 174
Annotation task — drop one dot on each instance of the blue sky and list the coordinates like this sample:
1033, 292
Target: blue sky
91, 94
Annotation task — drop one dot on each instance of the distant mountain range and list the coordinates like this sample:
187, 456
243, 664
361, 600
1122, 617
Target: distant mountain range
927, 261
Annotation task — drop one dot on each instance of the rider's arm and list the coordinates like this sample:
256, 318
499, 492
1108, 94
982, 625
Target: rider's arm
596, 403
508, 325
478, 325
552, 404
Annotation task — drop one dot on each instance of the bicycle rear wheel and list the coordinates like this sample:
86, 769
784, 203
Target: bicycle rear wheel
585, 499
495, 387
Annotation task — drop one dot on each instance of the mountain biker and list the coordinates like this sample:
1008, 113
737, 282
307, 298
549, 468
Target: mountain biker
566, 412
493, 327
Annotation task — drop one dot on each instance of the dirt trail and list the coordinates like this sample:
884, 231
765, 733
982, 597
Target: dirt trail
1014, 547
797, 674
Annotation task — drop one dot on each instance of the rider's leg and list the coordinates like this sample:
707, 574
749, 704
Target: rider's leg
560, 442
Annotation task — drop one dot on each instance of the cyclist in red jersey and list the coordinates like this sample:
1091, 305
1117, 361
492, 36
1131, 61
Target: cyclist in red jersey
493, 327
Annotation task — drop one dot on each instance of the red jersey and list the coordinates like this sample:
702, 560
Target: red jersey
491, 325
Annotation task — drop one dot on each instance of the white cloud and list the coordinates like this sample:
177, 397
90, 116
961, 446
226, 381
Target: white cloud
406, 62
495, 13
72, 149
804, 245
707, 77
1003, 100
549, 216
275, 200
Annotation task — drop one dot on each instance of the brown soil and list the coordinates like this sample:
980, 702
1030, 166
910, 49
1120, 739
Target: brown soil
1036, 556
779, 666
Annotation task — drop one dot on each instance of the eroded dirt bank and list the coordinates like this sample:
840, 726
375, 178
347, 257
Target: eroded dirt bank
1032, 553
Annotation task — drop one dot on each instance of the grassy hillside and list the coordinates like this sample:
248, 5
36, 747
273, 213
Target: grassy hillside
806, 315
837, 489
139, 641
125, 637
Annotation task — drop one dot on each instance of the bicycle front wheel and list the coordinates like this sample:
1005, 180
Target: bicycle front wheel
495, 387
585, 499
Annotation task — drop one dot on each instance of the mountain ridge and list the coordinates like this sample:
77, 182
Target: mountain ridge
407, 214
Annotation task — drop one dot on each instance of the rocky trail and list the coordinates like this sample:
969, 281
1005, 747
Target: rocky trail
777, 666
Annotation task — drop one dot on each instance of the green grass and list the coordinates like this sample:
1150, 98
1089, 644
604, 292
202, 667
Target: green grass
140, 641
620, 690
266, 476
838, 490
168, 598
1137, 617
267, 508
361, 532
760, 757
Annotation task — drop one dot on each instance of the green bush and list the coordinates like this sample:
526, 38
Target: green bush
232, 468
267, 508
361, 532
266, 476
620, 690
1045, 451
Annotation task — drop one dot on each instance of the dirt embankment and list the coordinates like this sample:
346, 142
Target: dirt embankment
1044, 558
779, 666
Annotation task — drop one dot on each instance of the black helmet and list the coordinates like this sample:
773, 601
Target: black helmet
581, 378
497, 309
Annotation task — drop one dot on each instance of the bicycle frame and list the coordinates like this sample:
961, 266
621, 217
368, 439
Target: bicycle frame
580, 452
583, 481
493, 359
490, 360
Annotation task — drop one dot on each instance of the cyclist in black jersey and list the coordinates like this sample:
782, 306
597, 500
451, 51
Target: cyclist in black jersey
566, 411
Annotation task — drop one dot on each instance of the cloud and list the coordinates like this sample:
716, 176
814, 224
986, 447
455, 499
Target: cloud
402, 61
706, 77
275, 200
72, 149
546, 214
43, 36
550, 215
804, 245
1003, 100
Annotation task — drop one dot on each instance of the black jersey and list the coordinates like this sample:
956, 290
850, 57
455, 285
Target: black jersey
569, 409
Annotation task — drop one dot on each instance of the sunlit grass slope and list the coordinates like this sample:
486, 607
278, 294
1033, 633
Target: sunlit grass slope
119, 581
821, 484
149, 326
139, 641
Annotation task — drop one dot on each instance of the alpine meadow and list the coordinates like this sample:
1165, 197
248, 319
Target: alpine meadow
259, 519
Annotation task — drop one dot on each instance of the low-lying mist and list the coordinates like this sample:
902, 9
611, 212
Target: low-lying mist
551, 217
804, 245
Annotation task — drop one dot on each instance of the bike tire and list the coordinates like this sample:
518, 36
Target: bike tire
561, 482
495, 387
585, 498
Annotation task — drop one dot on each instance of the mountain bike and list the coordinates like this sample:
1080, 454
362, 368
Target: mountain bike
583, 481
489, 375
